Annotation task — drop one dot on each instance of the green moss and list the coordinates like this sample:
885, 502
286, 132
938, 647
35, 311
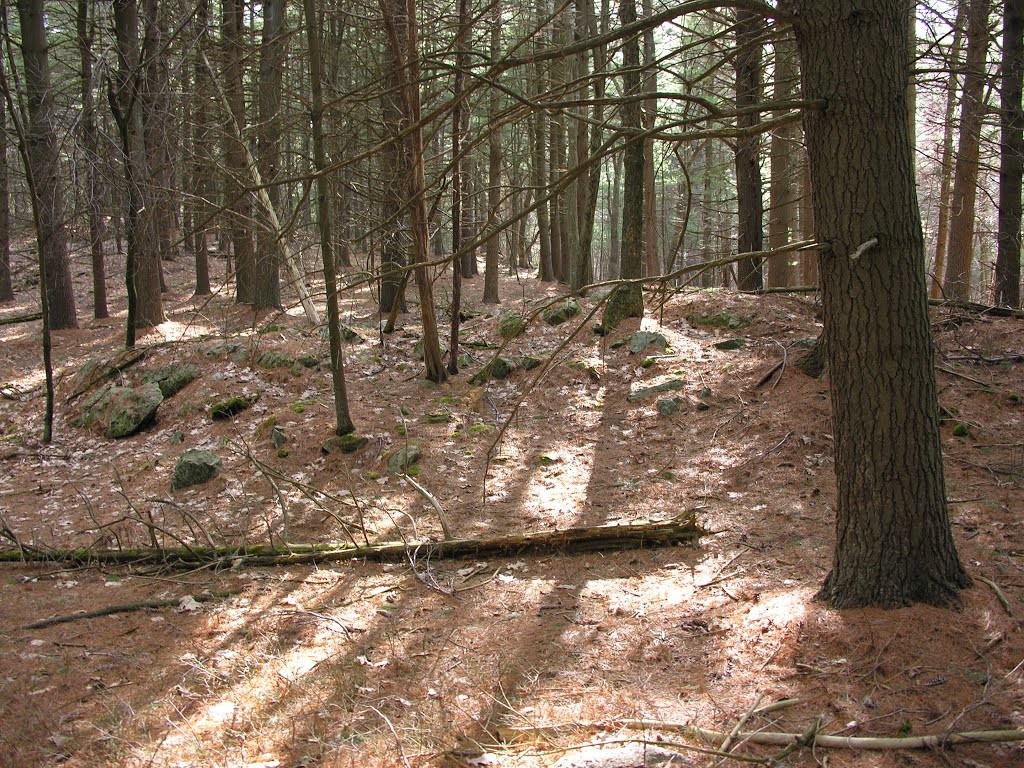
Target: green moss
1014, 398
414, 470
371, 476
510, 326
401, 429
961, 430
447, 400
297, 407
482, 429
282, 453
648, 362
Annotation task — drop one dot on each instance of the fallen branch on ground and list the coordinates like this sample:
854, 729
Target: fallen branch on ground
110, 610
682, 529
773, 738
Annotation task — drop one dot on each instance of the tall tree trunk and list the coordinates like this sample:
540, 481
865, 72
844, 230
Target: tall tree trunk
342, 420
202, 160
394, 176
614, 216
158, 119
749, 205
6, 285
628, 299
406, 55
493, 170
652, 260
267, 282
1011, 159
236, 197
458, 88
956, 283
893, 545
946, 160
43, 152
782, 205
538, 135
93, 192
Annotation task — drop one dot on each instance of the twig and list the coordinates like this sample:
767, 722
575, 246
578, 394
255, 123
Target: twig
434, 503
959, 375
999, 594
727, 742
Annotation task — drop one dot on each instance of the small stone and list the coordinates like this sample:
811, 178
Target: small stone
730, 345
277, 436
668, 406
195, 467
702, 406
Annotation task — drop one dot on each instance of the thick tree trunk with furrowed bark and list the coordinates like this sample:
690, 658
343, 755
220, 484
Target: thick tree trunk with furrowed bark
893, 545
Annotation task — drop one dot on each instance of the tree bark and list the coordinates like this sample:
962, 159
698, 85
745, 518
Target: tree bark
782, 202
1011, 158
267, 282
893, 544
6, 285
628, 300
493, 171
43, 152
93, 191
946, 160
342, 420
202, 160
749, 205
236, 198
956, 284
652, 260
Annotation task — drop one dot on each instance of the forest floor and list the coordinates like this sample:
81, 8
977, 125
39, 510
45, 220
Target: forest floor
430, 662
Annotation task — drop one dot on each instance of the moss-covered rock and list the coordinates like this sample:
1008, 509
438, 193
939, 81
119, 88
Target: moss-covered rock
731, 345
195, 467
561, 311
720, 319
511, 325
672, 385
309, 360
131, 409
171, 378
272, 358
498, 368
640, 340
529, 362
439, 417
405, 457
232, 406
223, 348
668, 406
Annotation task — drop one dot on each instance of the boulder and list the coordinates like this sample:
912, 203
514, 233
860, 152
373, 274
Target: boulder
498, 368
561, 311
349, 443
130, 409
403, 458
195, 467
232, 406
510, 326
172, 378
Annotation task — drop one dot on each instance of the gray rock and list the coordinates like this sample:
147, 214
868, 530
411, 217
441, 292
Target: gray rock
561, 312
404, 458
672, 385
668, 406
498, 368
640, 340
131, 409
195, 467
172, 378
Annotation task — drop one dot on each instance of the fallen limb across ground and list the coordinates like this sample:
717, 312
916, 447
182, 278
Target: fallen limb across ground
511, 734
682, 529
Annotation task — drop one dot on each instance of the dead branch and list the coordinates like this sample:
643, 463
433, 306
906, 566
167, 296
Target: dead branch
110, 610
682, 529
21, 319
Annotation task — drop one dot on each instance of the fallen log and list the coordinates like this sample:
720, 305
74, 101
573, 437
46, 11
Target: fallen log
21, 319
638, 534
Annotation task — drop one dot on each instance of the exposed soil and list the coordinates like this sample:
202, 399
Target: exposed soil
427, 662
